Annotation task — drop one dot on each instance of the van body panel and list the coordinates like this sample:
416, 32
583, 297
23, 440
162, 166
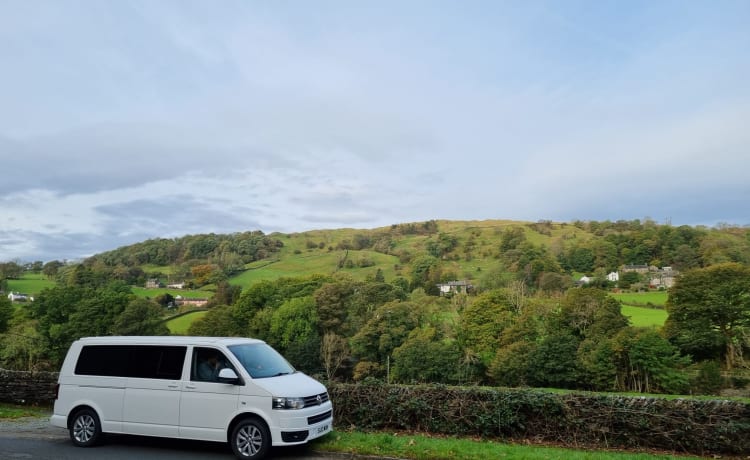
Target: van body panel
151, 407
297, 385
103, 394
154, 391
206, 405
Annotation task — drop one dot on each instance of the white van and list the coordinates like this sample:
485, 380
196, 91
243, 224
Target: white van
234, 390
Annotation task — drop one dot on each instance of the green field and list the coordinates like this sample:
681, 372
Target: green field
30, 283
316, 261
645, 317
180, 325
642, 299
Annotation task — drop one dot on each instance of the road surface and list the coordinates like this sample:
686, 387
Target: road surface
35, 439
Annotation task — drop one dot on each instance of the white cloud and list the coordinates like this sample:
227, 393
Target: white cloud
122, 122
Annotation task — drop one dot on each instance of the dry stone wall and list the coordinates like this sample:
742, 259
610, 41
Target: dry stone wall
19, 387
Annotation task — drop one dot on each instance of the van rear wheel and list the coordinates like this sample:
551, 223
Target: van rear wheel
250, 439
85, 429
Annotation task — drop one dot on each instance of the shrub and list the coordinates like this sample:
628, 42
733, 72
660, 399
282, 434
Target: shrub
692, 426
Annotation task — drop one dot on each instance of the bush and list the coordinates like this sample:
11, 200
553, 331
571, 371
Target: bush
709, 380
603, 421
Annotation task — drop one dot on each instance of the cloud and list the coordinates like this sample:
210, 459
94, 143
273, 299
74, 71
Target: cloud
122, 122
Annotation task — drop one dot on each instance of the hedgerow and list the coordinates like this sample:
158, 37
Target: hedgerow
575, 420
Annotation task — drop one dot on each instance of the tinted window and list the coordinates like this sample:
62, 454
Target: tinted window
144, 361
207, 362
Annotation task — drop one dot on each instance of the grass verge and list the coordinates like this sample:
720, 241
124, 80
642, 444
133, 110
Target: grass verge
12, 411
423, 447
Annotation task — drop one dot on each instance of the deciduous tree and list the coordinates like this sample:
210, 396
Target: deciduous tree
709, 313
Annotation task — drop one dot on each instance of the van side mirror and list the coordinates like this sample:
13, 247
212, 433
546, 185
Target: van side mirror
228, 375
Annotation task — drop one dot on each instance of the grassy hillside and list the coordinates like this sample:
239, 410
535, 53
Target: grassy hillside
180, 324
319, 251
30, 283
645, 317
642, 299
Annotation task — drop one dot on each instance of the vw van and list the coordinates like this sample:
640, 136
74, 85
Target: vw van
233, 390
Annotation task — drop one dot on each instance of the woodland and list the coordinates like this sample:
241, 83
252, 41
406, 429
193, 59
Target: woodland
364, 305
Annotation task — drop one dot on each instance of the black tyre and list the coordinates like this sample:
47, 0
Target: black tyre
250, 439
85, 428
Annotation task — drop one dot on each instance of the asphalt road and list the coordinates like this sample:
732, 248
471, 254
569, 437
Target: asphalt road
36, 439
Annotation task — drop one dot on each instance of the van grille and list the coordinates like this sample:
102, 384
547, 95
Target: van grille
316, 400
318, 418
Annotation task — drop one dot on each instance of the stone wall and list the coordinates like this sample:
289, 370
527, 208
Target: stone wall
19, 387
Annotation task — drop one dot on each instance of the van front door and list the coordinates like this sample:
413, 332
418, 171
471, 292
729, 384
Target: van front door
206, 406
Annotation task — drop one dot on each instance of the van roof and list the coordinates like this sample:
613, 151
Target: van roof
167, 340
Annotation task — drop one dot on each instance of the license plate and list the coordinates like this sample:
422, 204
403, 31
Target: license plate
322, 429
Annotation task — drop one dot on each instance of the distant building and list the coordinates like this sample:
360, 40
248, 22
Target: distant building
635, 268
454, 287
585, 280
663, 278
19, 297
195, 302
176, 285
153, 283
613, 276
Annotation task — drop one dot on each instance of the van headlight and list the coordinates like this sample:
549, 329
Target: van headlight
288, 403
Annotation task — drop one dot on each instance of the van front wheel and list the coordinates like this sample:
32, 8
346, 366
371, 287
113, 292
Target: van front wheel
251, 439
85, 429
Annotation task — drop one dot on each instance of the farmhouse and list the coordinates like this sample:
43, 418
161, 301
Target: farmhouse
635, 268
663, 278
153, 283
196, 302
19, 297
454, 287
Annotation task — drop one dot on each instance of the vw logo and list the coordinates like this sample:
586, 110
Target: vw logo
320, 400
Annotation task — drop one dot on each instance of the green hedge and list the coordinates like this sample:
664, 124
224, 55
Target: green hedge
575, 420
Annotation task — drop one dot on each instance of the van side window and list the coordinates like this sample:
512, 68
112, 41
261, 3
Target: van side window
157, 362
207, 362
143, 361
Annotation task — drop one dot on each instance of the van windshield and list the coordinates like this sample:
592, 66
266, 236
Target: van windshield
261, 361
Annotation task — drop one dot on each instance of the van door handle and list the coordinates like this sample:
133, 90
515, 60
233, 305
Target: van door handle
173, 386
190, 387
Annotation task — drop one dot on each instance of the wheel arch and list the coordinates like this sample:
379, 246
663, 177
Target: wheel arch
244, 416
74, 411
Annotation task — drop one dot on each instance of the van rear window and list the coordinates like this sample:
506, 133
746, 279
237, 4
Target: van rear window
144, 361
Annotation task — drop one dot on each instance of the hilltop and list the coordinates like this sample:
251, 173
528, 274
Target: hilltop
433, 251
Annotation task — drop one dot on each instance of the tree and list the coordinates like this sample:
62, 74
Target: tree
388, 328
6, 312
588, 313
294, 331
628, 279
426, 356
333, 351
648, 363
226, 294
709, 313
140, 317
484, 320
219, 321
553, 362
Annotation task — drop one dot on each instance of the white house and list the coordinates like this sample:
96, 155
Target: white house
585, 280
614, 277
453, 287
19, 297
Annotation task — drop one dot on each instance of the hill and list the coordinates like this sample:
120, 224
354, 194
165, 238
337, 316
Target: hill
475, 251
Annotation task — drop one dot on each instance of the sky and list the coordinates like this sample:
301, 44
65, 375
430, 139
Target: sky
125, 121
